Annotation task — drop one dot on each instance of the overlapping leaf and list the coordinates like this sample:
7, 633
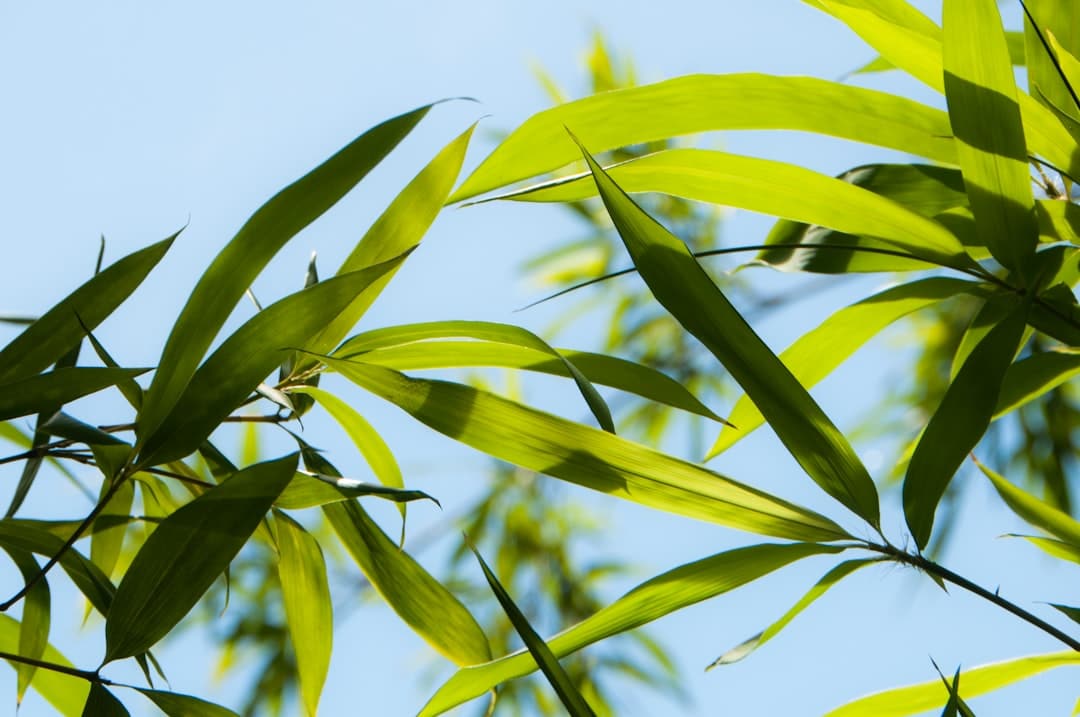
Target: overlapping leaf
65, 693
55, 388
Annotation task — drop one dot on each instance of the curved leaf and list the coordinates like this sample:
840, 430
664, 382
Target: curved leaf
177, 705
1036, 512
34, 622
309, 490
55, 388
1034, 376
67, 694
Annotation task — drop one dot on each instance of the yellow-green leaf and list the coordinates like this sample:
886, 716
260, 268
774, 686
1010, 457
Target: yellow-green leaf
67, 694
1035, 511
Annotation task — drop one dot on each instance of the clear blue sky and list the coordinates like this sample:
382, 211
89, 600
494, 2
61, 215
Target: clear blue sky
131, 120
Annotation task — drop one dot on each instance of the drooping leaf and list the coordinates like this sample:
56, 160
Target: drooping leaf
662, 595
959, 422
985, 117
1057, 548
683, 288
186, 553
1035, 511
102, 703
309, 490
1059, 19
66, 693
61, 328
586, 456
702, 103
915, 699
1034, 376
34, 623
817, 353
240, 364
244, 257
830, 578
108, 537
557, 677
309, 612
177, 705
55, 388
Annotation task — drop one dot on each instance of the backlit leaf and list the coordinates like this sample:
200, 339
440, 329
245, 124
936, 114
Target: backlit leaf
55, 388
66, 694
1035, 511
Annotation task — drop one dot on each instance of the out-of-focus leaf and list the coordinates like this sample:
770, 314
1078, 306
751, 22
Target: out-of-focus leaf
777, 188
817, 353
589, 457
915, 699
34, 625
177, 705
662, 595
683, 288
830, 578
600, 369
308, 490
1036, 512
1034, 376
61, 328
1073, 613
66, 694
108, 539
1057, 548
565, 688
309, 613
243, 258
959, 422
483, 331
102, 703
186, 553
702, 103
421, 600
985, 117
55, 388
240, 364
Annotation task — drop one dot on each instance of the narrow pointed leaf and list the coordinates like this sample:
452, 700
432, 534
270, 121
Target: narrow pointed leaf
186, 554
102, 703
684, 586
34, 623
959, 422
66, 694
817, 353
177, 705
1073, 613
830, 578
61, 328
309, 613
1034, 376
680, 285
588, 457
556, 676
915, 699
55, 388
1056, 548
703, 103
244, 257
1057, 18
985, 118
1035, 511
241, 363
309, 490
108, 537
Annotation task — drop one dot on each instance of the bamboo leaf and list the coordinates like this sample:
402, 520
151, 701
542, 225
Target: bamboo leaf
309, 490
244, 257
1070, 68
1073, 613
1034, 376
34, 624
108, 537
66, 694
177, 705
985, 117
702, 103
686, 291
1036, 512
186, 553
1056, 18
565, 688
653, 599
102, 703
830, 578
244, 359
959, 422
1015, 41
1057, 548
55, 388
915, 699
817, 353
309, 612
586, 456
61, 328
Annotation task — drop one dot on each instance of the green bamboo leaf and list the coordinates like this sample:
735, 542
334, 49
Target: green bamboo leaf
132, 391
1073, 613
65, 693
1034, 376
1037, 512
588, 457
102, 703
1056, 548
244, 257
955, 707
108, 537
244, 359
61, 328
684, 586
186, 553
419, 599
959, 422
482, 331
1070, 67
1015, 41
985, 117
1060, 19
55, 388
309, 612
702, 103
817, 353
568, 693
680, 285
915, 699
310, 490
34, 625
601, 369
830, 578
177, 705
397, 230
770, 187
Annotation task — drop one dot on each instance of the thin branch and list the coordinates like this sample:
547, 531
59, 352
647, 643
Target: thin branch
87, 675
178, 476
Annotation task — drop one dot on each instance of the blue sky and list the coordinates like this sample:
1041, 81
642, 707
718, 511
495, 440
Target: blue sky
132, 120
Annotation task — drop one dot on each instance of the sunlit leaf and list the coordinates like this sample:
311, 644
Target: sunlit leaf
108, 538
308, 490
1057, 548
1035, 511
177, 705
55, 388
66, 694
662, 595
1059, 19
186, 553
1034, 376
34, 623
